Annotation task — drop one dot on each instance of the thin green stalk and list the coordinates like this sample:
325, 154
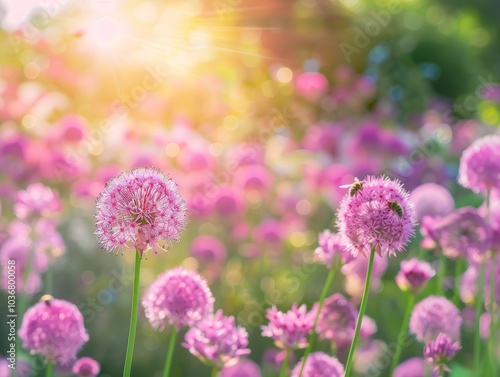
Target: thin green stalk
133, 317
171, 347
458, 274
50, 367
479, 303
402, 332
312, 337
362, 309
440, 274
493, 333
215, 372
284, 366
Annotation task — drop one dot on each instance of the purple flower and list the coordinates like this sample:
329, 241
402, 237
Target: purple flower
431, 199
355, 273
462, 233
319, 364
434, 315
207, 248
54, 329
441, 350
141, 208
217, 341
23, 368
291, 329
368, 327
414, 367
479, 168
413, 275
369, 357
86, 367
243, 368
337, 320
376, 214
275, 357
37, 200
177, 297
468, 284
330, 246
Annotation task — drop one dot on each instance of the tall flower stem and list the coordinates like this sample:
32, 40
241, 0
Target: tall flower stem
362, 309
284, 366
133, 316
402, 332
312, 337
479, 303
50, 367
440, 274
171, 347
215, 372
493, 332
458, 273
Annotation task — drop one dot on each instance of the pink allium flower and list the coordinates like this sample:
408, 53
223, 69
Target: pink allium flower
243, 368
269, 231
368, 327
323, 137
86, 367
479, 167
319, 364
217, 341
431, 199
208, 248
413, 275
330, 246
492, 268
369, 357
54, 329
311, 84
141, 208
355, 273
440, 351
229, 202
462, 233
177, 297
413, 367
36, 200
291, 329
434, 315
337, 320
253, 177
468, 285
376, 214
275, 357
23, 368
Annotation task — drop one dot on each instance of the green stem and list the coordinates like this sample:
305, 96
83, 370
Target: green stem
402, 332
171, 347
215, 372
133, 317
458, 274
284, 366
362, 309
440, 275
493, 333
49, 369
312, 337
479, 303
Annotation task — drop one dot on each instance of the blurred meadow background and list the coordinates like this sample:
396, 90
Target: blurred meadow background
260, 110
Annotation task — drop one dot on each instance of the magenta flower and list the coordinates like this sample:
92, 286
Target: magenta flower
413, 367
330, 246
376, 214
479, 168
368, 327
355, 273
413, 275
36, 201
468, 284
177, 297
431, 199
440, 351
337, 320
208, 249
319, 364
86, 367
243, 368
217, 341
54, 329
291, 329
141, 208
434, 315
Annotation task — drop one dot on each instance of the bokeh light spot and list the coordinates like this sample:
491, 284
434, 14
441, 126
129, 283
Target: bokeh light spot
31, 70
284, 75
29, 121
172, 149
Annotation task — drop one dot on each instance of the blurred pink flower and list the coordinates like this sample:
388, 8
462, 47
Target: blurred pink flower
37, 200
431, 199
311, 84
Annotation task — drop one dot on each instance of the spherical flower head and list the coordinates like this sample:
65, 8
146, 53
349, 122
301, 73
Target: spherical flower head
86, 367
243, 368
479, 169
330, 246
177, 297
54, 329
217, 341
37, 201
291, 329
441, 350
141, 208
337, 320
468, 288
434, 315
368, 327
319, 364
208, 249
431, 199
414, 367
368, 357
376, 213
413, 275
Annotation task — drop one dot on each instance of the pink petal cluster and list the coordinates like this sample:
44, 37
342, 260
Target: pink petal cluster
431, 199
369, 218
291, 329
413, 275
208, 249
86, 367
141, 208
243, 368
54, 329
441, 350
36, 201
413, 367
177, 297
330, 246
217, 340
319, 364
